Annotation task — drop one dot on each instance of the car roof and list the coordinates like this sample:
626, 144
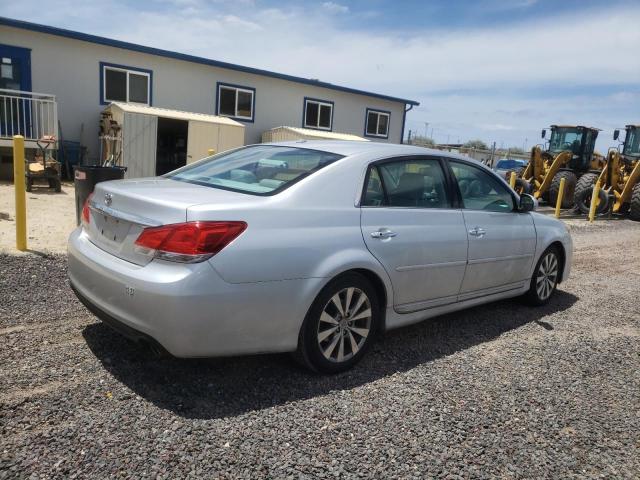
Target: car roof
351, 148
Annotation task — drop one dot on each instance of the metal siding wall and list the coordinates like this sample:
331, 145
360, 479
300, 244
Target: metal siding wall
201, 137
139, 144
230, 137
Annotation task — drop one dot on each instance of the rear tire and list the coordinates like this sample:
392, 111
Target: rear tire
545, 278
634, 205
569, 188
340, 325
584, 191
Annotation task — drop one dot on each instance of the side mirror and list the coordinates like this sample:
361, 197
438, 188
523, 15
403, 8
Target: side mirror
544, 133
527, 203
616, 134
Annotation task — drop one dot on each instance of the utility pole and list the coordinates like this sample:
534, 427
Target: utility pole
524, 145
493, 154
426, 129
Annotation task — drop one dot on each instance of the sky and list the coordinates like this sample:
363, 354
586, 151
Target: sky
494, 70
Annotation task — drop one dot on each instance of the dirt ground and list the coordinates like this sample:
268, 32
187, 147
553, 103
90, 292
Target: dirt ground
51, 217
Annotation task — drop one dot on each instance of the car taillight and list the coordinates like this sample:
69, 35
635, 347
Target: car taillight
189, 242
86, 217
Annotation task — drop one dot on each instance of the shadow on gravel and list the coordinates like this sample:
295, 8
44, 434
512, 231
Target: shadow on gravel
216, 388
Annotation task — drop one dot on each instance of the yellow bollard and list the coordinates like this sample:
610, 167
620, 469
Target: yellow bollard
594, 201
211, 151
21, 201
560, 195
512, 180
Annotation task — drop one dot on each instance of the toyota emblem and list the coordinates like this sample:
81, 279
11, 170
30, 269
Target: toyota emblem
108, 198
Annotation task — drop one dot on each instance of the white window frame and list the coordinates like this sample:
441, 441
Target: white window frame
128, 72
236, 89
378, 113
317, 125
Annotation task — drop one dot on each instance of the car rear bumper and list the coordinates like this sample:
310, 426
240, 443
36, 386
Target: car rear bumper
122, 328
188, 308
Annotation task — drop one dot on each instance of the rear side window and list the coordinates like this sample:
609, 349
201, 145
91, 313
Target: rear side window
406, 183
481, 190
257, 170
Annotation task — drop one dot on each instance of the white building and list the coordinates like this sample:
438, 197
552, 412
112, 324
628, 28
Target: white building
86, 72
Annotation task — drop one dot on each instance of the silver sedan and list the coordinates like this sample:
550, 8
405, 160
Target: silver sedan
308, 247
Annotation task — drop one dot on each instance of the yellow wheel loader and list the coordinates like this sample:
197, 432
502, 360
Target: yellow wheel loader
569, 155
619, 180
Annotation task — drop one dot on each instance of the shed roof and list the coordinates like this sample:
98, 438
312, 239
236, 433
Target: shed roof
321, 134
62, 32
177, 114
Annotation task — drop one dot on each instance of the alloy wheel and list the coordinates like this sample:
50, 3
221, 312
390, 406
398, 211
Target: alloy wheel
547, 276
345, 324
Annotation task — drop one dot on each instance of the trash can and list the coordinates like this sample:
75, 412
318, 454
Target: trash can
85, 178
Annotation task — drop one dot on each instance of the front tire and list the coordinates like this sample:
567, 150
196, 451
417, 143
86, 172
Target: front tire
634, 205
569, 189
545, 278
340, 325
584, 192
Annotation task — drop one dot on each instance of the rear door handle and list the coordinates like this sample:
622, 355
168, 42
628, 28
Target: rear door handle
477, 232
383, 233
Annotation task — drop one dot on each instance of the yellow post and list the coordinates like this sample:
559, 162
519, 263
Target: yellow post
21, 202
594, 201
512, 180
560, 195
211, 151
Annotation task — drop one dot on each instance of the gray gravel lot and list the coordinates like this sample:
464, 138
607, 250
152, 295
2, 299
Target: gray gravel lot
496, 391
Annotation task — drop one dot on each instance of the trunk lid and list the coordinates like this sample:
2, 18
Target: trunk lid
121, 209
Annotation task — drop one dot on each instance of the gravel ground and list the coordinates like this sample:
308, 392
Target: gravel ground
497, 391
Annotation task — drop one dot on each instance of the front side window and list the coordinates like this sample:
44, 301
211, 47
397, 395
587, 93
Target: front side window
406, 183
236, 102
318, 114
377, 124
566, 139
123, 84
632, 142
480, 190
257, 170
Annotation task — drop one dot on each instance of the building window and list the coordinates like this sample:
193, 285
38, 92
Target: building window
318, 114
125, 84
377, 123
236, 102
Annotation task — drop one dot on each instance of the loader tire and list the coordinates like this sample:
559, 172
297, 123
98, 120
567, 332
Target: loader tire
569, 189
584, 189
634, 205
522, 186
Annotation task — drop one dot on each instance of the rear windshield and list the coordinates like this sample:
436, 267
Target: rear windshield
510, 163
258, 169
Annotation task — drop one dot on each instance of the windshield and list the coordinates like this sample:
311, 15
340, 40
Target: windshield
258, 169
565, 139
509, 163
632, 142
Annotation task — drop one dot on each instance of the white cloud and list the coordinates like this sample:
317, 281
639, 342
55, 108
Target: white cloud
335, 7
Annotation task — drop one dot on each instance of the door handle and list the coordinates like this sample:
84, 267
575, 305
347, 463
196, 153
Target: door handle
477, 232
383, 233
